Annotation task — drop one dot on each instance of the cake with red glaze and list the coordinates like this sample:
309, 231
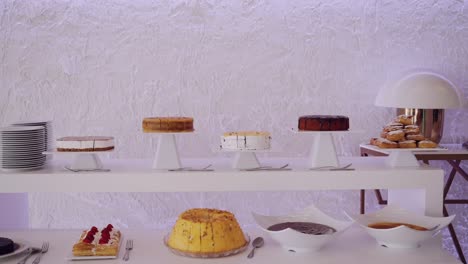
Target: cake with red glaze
323, 123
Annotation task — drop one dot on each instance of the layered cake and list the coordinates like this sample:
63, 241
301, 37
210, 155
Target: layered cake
6, 246
167, 124
88, 143
246, 140
205, 231
402, 133
93, 242
323, 123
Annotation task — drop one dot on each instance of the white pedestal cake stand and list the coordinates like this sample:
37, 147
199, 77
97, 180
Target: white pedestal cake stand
167, 155
244, 159
323, 152
82, 160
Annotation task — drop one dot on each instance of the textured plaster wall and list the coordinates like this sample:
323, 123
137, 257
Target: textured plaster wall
99, 67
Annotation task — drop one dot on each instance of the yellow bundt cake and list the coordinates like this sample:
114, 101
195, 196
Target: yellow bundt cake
202, 230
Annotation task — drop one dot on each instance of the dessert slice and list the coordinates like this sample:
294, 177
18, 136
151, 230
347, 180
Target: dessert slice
93, 242
88, 143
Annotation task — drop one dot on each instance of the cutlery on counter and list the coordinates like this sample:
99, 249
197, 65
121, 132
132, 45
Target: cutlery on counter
83, 170
333, 168
44, 249
206, 168
30, 252
128, 247
256, 243
268, 168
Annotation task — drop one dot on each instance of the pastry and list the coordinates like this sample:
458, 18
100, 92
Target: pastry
323, 123
6, 246
407, 144
417, 137
167, 124
411, 130
93, 242
392, 128
395, 124
205, 231
88, 143
427, 144
385, 143
246, 140
383, 134
396, 135
404, 119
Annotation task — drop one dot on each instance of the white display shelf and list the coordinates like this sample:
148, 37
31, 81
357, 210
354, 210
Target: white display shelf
353, 246
418, 189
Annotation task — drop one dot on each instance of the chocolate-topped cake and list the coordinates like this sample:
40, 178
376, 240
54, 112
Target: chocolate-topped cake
323, 123
6, 245
304, 227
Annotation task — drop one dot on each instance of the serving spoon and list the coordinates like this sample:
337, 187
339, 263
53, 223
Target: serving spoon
256, 243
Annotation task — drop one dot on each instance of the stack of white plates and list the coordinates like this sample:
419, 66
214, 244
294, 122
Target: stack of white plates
21, 147
48, 131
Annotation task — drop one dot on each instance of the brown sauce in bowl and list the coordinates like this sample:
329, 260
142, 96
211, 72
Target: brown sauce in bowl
304, 227
388, 225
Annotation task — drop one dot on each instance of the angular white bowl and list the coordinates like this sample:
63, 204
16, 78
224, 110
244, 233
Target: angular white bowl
296, 241
401, 236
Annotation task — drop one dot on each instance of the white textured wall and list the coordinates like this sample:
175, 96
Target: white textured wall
99, 67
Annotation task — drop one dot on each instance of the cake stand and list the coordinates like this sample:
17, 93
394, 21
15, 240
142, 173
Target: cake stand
167, 155
245, 158
323, 152
82, 160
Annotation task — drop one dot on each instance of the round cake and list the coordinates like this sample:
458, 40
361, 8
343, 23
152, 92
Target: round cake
323, 123
246, 140
6, 245
167, 124
205, 231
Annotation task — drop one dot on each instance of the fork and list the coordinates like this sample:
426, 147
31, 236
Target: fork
268, 168
206, 168
80, 170
45, 247
128, 247
333, 168
30, 252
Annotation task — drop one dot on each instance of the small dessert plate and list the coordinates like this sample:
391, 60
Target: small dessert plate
296, 241
401, 236
19, 247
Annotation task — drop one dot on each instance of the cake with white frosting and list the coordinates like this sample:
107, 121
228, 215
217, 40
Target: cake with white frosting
246, 140
88, 143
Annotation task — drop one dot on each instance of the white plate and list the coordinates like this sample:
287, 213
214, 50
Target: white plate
20, 247
25, 145
21, 169
207, 255
296, 241
71, 257
400, 236
406, 149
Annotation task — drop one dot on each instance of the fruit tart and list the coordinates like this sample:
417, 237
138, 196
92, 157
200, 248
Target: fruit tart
93, 242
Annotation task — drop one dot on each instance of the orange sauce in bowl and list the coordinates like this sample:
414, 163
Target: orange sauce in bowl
388, 225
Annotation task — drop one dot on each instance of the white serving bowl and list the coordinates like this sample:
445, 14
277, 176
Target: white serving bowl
296, 241
401, 236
